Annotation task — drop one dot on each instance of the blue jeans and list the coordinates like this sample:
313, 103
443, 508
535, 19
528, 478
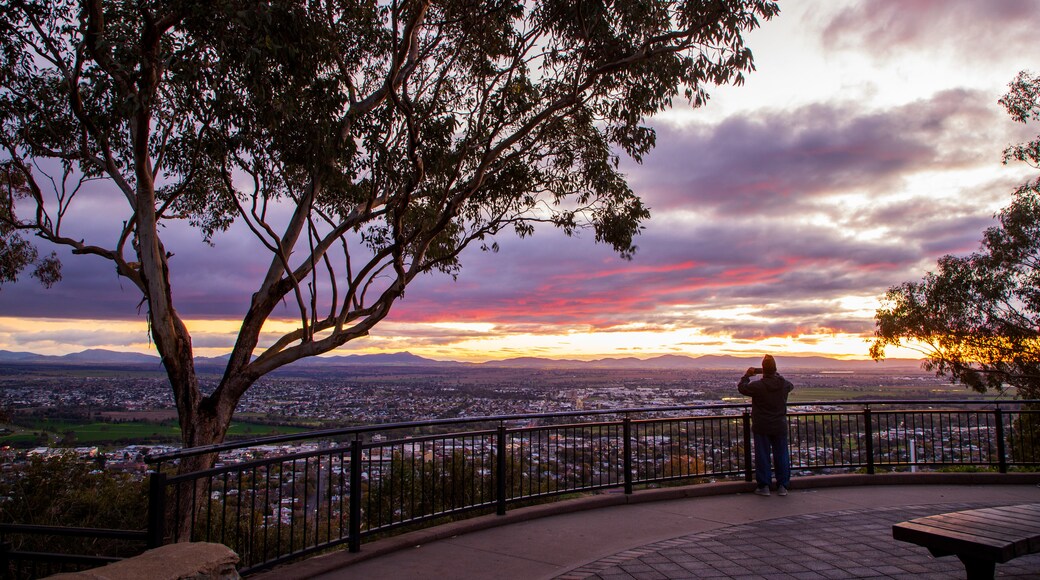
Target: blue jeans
781, 459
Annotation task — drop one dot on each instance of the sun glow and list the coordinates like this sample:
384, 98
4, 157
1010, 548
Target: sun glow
472, 342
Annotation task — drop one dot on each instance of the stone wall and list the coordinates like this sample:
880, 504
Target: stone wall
185, 561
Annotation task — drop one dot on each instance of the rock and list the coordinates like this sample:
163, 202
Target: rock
184, 561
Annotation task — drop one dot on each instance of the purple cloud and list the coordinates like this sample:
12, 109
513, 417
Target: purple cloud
778, 161
975, 30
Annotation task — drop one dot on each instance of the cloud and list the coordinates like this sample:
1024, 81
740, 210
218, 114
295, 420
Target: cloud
973, 30
778, 162
87, 338
575, 285
208, 281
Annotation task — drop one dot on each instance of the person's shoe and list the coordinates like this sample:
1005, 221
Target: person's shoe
763, 490
781, 490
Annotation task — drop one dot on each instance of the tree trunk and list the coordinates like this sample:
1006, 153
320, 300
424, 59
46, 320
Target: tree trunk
199, 427
204, 422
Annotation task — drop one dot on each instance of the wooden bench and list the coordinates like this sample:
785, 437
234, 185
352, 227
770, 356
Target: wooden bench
980, 538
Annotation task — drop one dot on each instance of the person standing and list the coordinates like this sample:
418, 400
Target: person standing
769, 424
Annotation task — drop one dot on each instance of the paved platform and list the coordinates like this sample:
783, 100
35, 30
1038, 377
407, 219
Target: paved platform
825, 532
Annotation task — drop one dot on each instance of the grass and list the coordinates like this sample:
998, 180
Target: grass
98, 433
805, 394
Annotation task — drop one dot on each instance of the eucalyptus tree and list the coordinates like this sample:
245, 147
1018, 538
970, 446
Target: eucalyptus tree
977, 317
362, 142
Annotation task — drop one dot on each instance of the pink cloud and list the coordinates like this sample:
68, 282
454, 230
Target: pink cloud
776, 162
977, 30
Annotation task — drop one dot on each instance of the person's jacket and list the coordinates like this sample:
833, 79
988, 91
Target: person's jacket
768, 403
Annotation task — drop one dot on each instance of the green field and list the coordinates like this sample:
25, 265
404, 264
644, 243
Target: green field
96, 433
805, 394
936, 392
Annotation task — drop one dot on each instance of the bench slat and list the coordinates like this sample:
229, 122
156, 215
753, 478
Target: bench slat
977, 536
1026, 516
1026, 510
1023, 519
994, 522
1016, 510
1031, 515
1016, 541
951, 542
1005, 523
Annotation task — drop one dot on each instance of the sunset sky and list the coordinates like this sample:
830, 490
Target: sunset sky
865, 146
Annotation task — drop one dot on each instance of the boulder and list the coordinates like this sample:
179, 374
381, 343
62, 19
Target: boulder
184, 561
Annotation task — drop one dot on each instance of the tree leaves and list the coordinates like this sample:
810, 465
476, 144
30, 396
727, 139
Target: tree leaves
1023, 104
977, 317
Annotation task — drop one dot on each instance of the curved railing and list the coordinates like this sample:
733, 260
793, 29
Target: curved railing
282, 497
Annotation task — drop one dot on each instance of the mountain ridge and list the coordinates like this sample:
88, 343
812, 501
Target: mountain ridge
405, 358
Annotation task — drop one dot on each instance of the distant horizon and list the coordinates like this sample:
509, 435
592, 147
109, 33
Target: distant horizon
480, 342
13, 356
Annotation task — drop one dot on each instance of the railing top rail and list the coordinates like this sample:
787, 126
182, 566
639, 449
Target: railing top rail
72, 531
362, 429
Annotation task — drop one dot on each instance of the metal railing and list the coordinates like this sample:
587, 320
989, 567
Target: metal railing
29, 563
341, 486
283, 497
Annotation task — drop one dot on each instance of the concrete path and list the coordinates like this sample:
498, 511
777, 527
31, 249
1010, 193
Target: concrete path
832, 532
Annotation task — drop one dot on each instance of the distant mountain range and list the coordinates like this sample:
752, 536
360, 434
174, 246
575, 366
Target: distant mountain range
90, 356
709, 362
102, 357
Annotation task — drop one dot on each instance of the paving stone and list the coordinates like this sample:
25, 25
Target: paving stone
731, 572
791, 567
861, 571
834, 574
633, 567
709, 573
835, 545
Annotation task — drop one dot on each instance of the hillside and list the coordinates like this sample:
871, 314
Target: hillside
117, 359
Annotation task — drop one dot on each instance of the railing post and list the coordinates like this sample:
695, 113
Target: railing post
1002, 461
156, 507
626, 434
500, 471
5, 560
354, 538
869, 425
748, 467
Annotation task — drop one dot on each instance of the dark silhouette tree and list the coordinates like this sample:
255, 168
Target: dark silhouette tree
363, 143
977, 317
16, 252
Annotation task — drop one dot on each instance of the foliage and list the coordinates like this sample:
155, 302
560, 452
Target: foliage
1023, 104
1024, 439
977, 317
411, 488
66, 491
16, 252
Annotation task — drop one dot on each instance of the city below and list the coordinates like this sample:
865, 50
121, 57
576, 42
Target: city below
118, 406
